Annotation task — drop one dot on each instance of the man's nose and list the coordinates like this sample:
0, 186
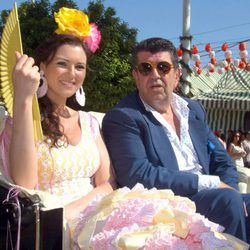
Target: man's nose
155, 72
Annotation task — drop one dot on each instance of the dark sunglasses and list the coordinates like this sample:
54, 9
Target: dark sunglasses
163, 68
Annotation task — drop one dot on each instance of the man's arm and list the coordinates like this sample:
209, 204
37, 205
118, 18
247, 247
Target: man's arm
220, 163
135, 159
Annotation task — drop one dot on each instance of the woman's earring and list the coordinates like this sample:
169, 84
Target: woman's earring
43, 86
80, 96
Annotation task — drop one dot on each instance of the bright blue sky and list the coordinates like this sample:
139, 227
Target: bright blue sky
212, 21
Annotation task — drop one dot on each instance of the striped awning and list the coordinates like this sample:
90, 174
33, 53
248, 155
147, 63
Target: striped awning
229, 82
237, 101
222, 119
226, 98
228, 91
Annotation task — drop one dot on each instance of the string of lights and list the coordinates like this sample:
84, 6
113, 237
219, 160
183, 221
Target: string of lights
217, 56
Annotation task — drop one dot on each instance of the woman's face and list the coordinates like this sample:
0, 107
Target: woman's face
66, 72
236, 137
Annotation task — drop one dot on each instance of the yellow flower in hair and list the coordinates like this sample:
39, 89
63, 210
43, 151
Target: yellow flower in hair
73, 22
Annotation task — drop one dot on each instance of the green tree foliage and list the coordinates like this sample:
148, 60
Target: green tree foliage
3, 16
109, 76
36, 24
63, 3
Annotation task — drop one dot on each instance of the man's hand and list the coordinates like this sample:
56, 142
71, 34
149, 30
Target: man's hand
224, 185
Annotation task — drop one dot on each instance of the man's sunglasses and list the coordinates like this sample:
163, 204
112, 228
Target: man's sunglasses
163, 68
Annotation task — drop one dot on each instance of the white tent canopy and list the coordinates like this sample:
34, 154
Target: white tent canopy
226, 98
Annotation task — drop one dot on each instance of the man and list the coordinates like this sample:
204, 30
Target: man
161, 140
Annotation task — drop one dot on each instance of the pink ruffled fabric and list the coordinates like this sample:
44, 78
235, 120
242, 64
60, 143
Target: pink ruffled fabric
164, 241
130, 216
133, 214
83, 217
105, 240
133, 211
200, 237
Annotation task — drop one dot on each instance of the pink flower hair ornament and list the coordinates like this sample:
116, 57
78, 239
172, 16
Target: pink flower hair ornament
75, 22
94, 39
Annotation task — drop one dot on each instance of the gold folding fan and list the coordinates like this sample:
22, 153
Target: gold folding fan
10, 42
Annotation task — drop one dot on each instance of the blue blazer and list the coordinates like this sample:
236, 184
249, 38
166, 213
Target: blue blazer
141, 152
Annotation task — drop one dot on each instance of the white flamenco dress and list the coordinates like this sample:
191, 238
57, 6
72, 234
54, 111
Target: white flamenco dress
238, 160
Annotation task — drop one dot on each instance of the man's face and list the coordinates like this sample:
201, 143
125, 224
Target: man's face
157, 82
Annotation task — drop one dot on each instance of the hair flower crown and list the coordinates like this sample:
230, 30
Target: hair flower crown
75, 22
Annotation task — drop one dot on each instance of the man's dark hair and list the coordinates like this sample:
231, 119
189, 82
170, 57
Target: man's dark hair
155, 45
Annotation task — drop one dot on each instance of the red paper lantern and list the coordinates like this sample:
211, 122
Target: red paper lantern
211, 70
224, 47
197, 63
227, 68
242, 65
213, 60
242, 46
244, 59
199, 71
208, 47
194, 49
179, 52
229, 59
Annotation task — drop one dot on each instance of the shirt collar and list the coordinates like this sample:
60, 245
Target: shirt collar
178, 103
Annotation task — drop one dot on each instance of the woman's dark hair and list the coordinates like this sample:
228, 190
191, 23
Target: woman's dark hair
45, 54
155, 45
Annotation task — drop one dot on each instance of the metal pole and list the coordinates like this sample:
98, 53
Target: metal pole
185, 43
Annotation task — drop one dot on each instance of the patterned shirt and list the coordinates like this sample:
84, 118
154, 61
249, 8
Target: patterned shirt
183, 147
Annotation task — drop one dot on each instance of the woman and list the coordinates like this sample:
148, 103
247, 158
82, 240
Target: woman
236, 150
72, 161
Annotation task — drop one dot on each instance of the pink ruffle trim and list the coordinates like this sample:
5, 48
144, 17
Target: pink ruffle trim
135, 214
